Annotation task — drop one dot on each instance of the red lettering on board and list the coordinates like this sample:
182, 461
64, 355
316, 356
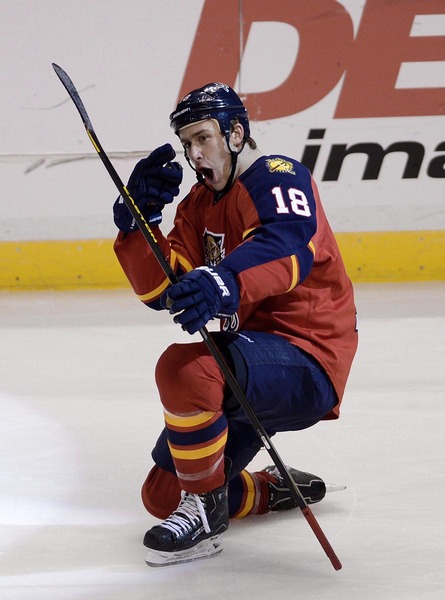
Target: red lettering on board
326, 36
327, 51
382, 44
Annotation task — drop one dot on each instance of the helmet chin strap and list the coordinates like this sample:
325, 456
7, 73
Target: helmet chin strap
217, 195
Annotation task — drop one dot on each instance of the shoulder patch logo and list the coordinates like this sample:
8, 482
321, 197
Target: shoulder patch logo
279, 165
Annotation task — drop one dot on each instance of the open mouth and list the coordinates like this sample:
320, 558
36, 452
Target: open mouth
207, 174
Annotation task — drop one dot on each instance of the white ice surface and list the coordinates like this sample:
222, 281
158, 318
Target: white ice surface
79, 414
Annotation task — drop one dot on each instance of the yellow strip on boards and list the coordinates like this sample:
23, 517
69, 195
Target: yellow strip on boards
59, 265
369, 257
383, 256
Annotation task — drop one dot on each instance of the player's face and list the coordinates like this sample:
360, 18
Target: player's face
207, 150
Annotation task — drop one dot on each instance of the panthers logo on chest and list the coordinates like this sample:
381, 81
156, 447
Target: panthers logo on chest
214, 250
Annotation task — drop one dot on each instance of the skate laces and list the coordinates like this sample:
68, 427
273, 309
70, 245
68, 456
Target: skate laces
188, 514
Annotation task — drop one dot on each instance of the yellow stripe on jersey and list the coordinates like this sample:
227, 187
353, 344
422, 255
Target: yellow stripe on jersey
200, 452
246, 233
154, 293
158, 291
311, 247
174, 258
184, 264
295, 272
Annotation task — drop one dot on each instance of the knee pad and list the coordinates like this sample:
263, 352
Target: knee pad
189, 379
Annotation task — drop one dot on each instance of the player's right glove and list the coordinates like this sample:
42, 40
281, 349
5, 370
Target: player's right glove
200, 295
153, 183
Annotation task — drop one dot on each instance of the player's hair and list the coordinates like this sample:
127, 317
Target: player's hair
249, 140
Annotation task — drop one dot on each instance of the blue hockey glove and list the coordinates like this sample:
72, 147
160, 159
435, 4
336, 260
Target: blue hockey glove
202, 294
153, 183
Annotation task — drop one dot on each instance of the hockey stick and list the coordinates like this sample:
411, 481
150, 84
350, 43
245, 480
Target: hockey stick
148, 234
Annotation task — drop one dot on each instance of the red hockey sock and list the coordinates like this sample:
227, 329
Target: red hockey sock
249, 493
197, 445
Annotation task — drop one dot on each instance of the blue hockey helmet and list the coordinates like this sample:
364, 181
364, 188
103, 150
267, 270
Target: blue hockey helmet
212, 101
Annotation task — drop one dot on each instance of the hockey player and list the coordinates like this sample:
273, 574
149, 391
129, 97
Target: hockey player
252, 247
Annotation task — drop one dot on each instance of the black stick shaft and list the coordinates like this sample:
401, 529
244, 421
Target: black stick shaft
149, 236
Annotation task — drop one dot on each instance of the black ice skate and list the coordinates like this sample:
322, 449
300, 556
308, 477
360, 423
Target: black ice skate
312, 488
192, 531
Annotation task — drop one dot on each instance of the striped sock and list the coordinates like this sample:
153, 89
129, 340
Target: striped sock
197, 445
249, 494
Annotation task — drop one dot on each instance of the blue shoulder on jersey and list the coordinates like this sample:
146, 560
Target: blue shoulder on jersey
281, 191
280, 188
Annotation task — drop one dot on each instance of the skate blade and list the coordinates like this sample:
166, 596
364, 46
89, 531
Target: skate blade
334, 487
205, 549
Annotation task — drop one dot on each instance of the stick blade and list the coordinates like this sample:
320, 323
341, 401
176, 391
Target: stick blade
74, 95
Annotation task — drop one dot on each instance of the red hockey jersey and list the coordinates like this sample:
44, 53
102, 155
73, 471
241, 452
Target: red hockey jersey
271, 232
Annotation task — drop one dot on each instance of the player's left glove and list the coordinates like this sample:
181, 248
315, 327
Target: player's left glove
202, 294
154, 182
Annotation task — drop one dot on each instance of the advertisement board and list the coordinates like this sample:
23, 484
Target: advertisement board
353, 89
